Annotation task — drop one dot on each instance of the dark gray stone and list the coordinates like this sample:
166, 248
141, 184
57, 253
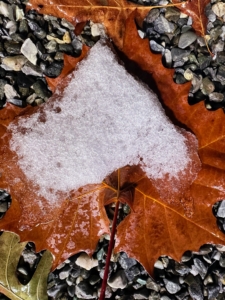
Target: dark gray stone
207, 86
51, 46
54, 69
12, 47
152, 285
195, 291
221, 74
56, 290
71, 290
213, 291
132, 273
75, 272
186, 39
77, 46
3, 207
204, 61
94, 279
67, 24
179, 54
41, 90
222, 260
2, 84
37, 30
216, 97
126, 262
118, 280
65, 272
84, 290
201, 267
161, 25
141, 294
155, 47
221, 209
66, 48
23, 26
181, 269
152, 16
17, 102
172, 14
172, 287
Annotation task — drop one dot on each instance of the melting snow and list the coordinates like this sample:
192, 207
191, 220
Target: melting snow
104, 120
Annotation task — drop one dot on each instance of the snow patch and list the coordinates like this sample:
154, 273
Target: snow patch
105, 119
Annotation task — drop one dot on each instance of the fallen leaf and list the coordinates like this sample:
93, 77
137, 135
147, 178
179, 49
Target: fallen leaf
187, 214
10, 252
196, 9
188, 222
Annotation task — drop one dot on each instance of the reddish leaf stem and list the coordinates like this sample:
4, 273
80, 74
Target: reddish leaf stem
109, 253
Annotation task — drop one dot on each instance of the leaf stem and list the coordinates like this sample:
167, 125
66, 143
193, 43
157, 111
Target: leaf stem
109, 253
111, 243
168, 5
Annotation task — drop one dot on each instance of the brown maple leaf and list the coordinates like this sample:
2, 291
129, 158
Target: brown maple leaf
159, 224
166, 229
196, 9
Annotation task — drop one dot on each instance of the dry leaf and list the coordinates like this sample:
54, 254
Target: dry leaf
196, 9
190, 223
10, 251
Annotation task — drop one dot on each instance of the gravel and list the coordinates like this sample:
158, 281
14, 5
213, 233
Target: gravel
199, 275
170, 33
32, 46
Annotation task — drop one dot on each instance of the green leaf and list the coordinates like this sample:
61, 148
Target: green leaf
10, 252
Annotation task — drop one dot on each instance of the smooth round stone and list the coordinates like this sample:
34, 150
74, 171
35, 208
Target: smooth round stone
41, 90
221, 210
195, 291
218, 47
155, 47
207, 86
66, 48
188, 74
51, 46
2, 91
118, 280
167, 59
161, 25
3, 207
179, 54
12, 47
17, 102
216, 97
221, 74
171, 286
77, 45
186, 39
152, 15
172, 14
54, 69
14, 62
